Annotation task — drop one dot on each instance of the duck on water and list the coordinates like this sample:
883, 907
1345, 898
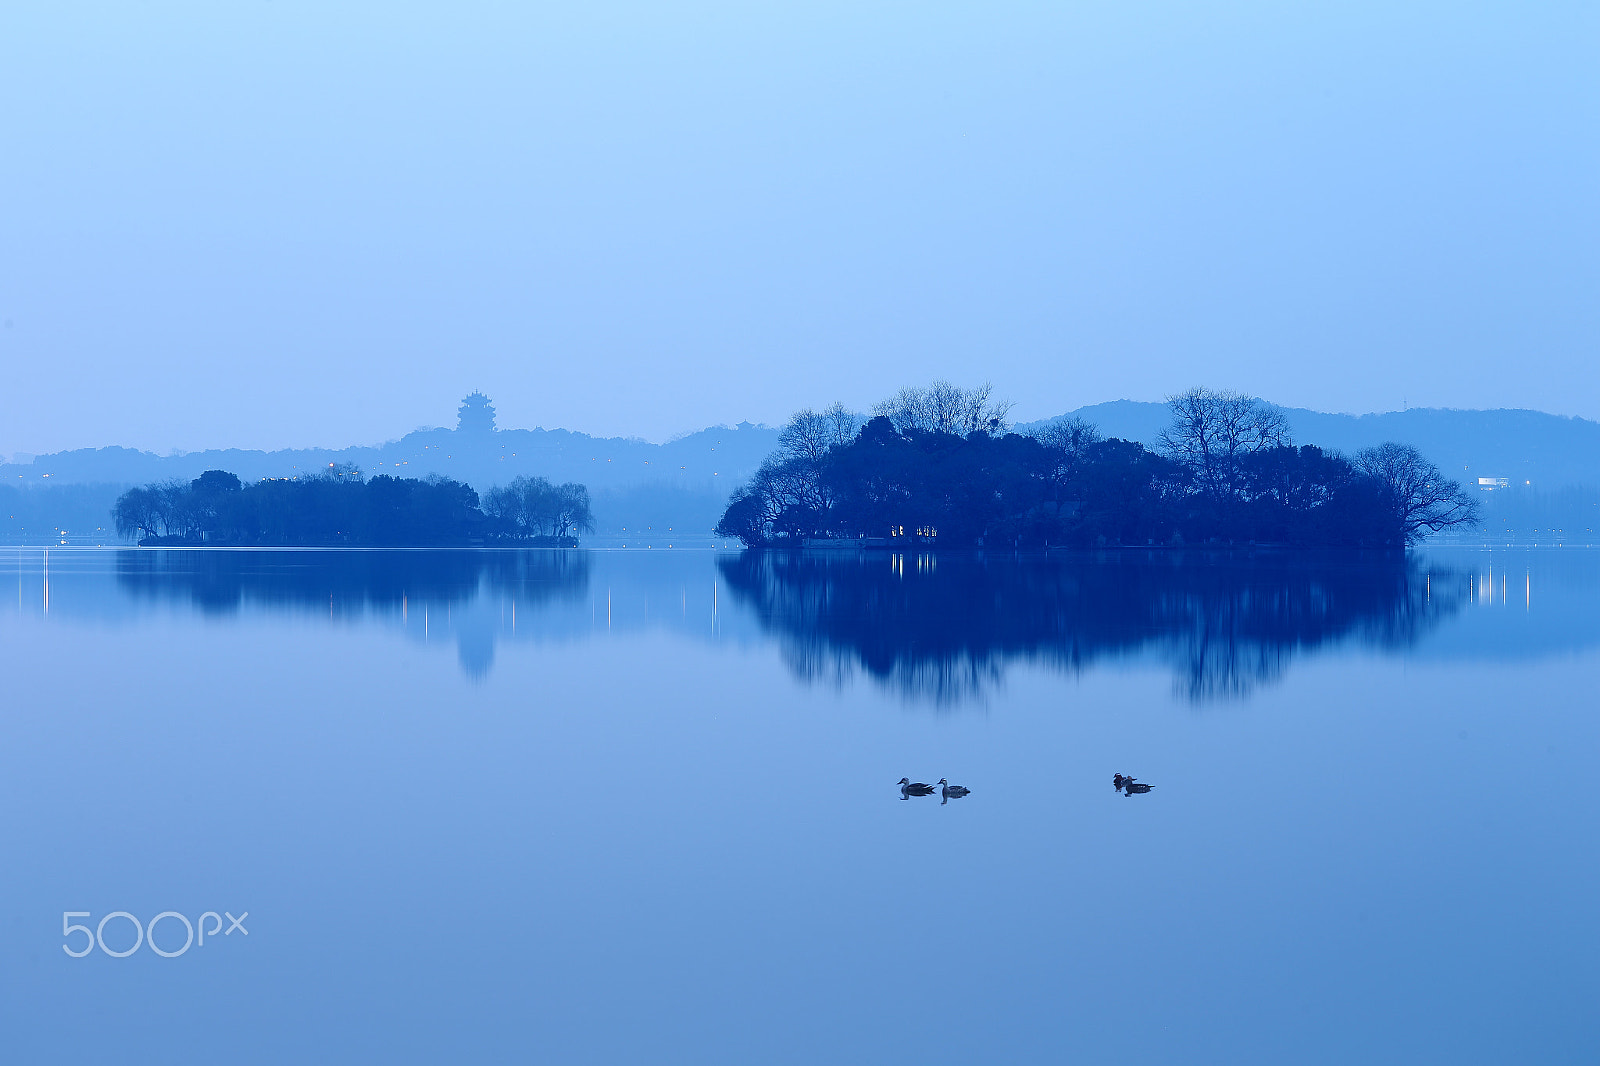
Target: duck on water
1128, 786
951, 792
909, 788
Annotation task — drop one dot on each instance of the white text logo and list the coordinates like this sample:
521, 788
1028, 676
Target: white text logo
146, 934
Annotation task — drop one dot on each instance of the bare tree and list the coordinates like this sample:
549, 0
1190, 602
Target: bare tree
1424, 499
794, 495
1212, 431
1069, 434
843, 425
1066, 440
946, 408
338, 472
807, 436
790, 482
763, 507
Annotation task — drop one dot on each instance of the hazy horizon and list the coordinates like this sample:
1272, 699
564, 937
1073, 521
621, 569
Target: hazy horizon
294, 223
326, 445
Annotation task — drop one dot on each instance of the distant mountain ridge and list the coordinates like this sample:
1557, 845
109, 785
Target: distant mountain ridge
1552, 451
683, 484
703, 460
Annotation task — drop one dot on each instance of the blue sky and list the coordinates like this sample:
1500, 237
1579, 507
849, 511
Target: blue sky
269, 223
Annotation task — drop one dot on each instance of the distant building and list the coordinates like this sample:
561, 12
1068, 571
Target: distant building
476, 414
1489, 484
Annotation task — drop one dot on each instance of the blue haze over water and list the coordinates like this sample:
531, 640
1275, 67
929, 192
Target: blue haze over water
619, 806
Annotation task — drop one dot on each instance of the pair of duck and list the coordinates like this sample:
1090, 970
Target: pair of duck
909, 788
1128, 786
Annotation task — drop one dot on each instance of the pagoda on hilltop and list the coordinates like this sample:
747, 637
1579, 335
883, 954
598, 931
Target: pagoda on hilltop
476, 414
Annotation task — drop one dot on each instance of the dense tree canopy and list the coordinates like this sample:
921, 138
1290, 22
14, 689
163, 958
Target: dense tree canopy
339, 507
1228, 473
536, 508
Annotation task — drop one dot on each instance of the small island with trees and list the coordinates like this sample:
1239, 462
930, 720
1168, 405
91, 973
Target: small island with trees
936, 466
940, 465
339, 507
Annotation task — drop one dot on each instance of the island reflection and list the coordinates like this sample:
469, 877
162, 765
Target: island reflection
224, 581
942, 627
936, 628
344, 584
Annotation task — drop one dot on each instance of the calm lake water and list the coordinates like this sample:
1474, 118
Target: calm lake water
641, 807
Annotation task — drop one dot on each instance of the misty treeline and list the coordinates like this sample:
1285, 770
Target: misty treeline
41, 513
1522, 511
338, 506
535, 508
942, 464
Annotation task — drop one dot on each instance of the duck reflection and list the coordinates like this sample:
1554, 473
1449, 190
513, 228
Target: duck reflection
1225, 621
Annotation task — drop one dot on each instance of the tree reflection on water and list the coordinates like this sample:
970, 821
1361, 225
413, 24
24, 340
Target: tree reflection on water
348, 581
935, 627
942, 627
352, 584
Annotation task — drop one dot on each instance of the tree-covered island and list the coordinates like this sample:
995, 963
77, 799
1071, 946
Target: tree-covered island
939, 465
339, 507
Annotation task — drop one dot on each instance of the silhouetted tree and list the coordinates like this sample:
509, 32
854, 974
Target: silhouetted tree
176, 508
746, 518
1307, 496
216, 484
794, 494
946, 408
936, 484
1420, 497
1065, 441
332, 507
1211, 432
842, 424
527, 504
1228, 477
1068, 436
572, 515
1128, 495
532, 507
809, 434
210, 496
137, 514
